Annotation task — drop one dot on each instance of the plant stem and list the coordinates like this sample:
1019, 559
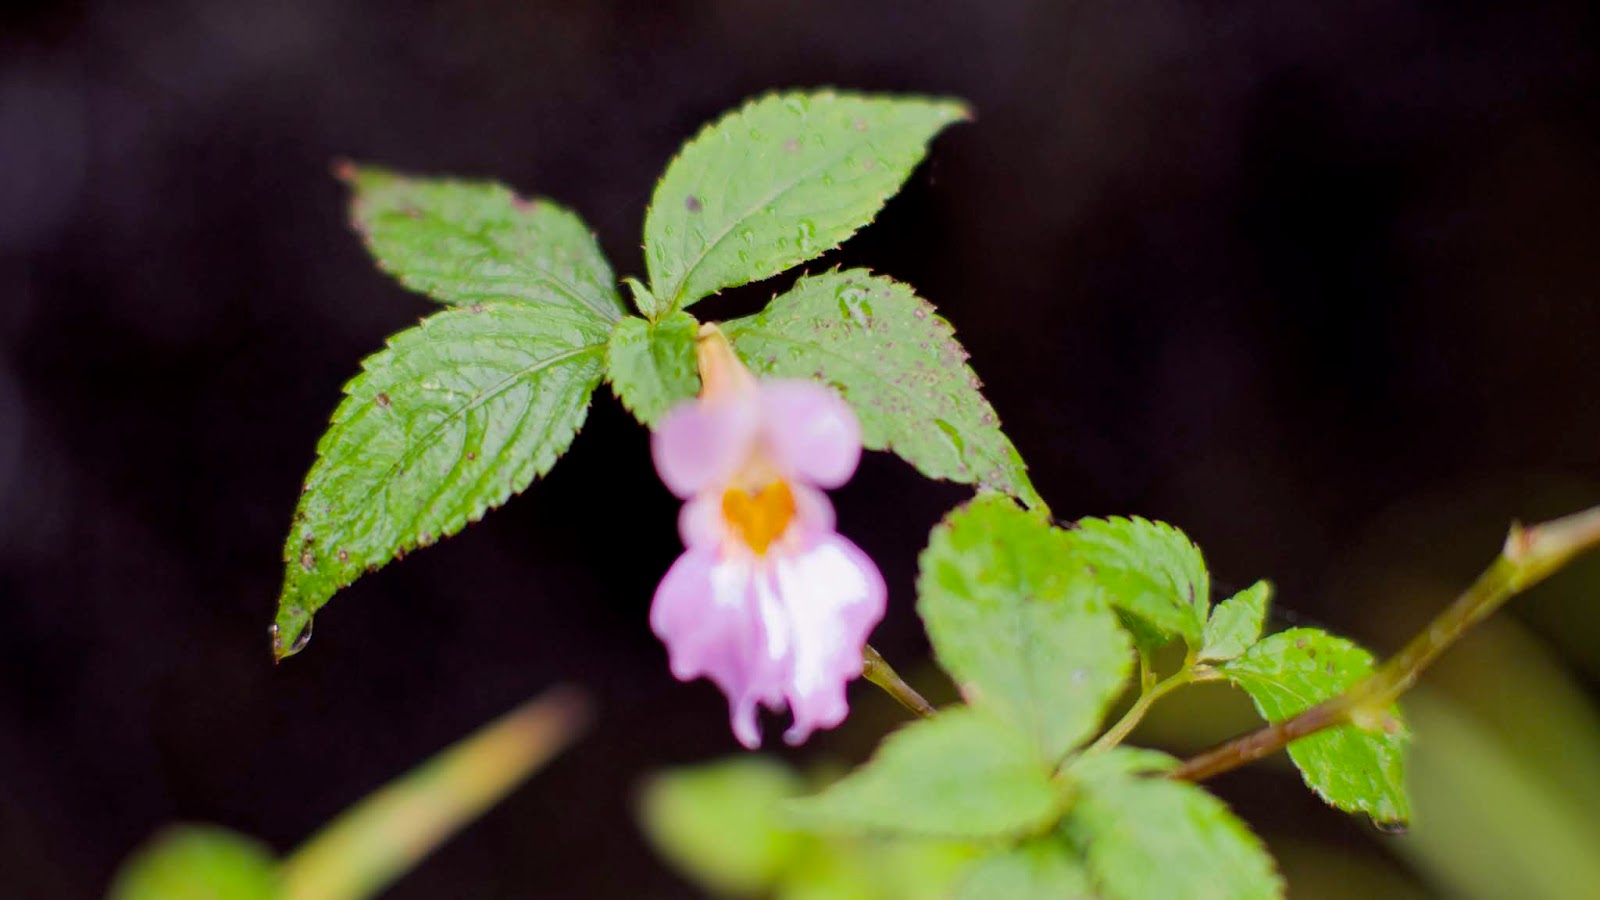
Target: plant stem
1530, 555
1148, 695
359, 853
878, 671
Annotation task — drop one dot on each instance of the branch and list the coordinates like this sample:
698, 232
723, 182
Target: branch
1530, 556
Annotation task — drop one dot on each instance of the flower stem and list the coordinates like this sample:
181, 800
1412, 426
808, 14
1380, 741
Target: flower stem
878, 671
1530, 555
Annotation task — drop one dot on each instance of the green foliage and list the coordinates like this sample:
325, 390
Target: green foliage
722, 824
1045, 868
197, 862
1026, 635
1152, 572
1236, 623
900, 367
652, 365
466, 242
784, 179
453, 417
1155, 837
1351, 768
960, 774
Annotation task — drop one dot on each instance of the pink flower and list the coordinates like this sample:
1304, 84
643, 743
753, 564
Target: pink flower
767, 600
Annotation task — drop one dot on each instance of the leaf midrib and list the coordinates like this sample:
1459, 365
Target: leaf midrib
683, 280
414, 448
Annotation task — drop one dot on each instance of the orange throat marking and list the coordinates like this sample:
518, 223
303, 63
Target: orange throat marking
761, 518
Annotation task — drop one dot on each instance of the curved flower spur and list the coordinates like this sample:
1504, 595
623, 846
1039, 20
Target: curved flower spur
768, 600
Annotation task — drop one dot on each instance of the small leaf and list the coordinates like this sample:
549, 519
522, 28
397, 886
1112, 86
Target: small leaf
1349, 767
784, 179
1044, 868
448, 421
899, 366
960, 774
1154, 837
466, 242
722, 823
1152, 573
1236, 622
652, 366
1025, 634
198, 862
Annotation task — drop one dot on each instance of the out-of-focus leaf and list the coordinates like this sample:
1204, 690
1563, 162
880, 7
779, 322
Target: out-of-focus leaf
960, 774
722, 823
198, 862
1154, 837
1046, 868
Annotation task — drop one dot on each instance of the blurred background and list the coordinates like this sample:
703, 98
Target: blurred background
1314, 282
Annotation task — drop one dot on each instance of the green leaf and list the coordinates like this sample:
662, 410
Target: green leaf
1025, 634
1153, 574
1155, 837
960, 774
197, 862
853, 868
1236, 622
722, 824
652, 366
1044, 868
1351, 768
467, 242
448, 421
899, 366
783, 179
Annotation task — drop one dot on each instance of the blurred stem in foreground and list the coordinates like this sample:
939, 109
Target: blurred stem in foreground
1530, 555
358, 854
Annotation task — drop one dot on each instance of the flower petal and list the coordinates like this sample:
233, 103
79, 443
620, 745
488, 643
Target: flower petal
708, 611
811, 432
700, 442
832, 597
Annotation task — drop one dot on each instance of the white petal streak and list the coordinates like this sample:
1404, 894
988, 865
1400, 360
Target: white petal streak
833, 596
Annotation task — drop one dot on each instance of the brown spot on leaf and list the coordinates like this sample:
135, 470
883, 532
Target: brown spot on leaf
308, 561
472, 454
692, 203
382, 400
344, 556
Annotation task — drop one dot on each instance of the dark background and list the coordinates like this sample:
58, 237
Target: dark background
1312, 281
